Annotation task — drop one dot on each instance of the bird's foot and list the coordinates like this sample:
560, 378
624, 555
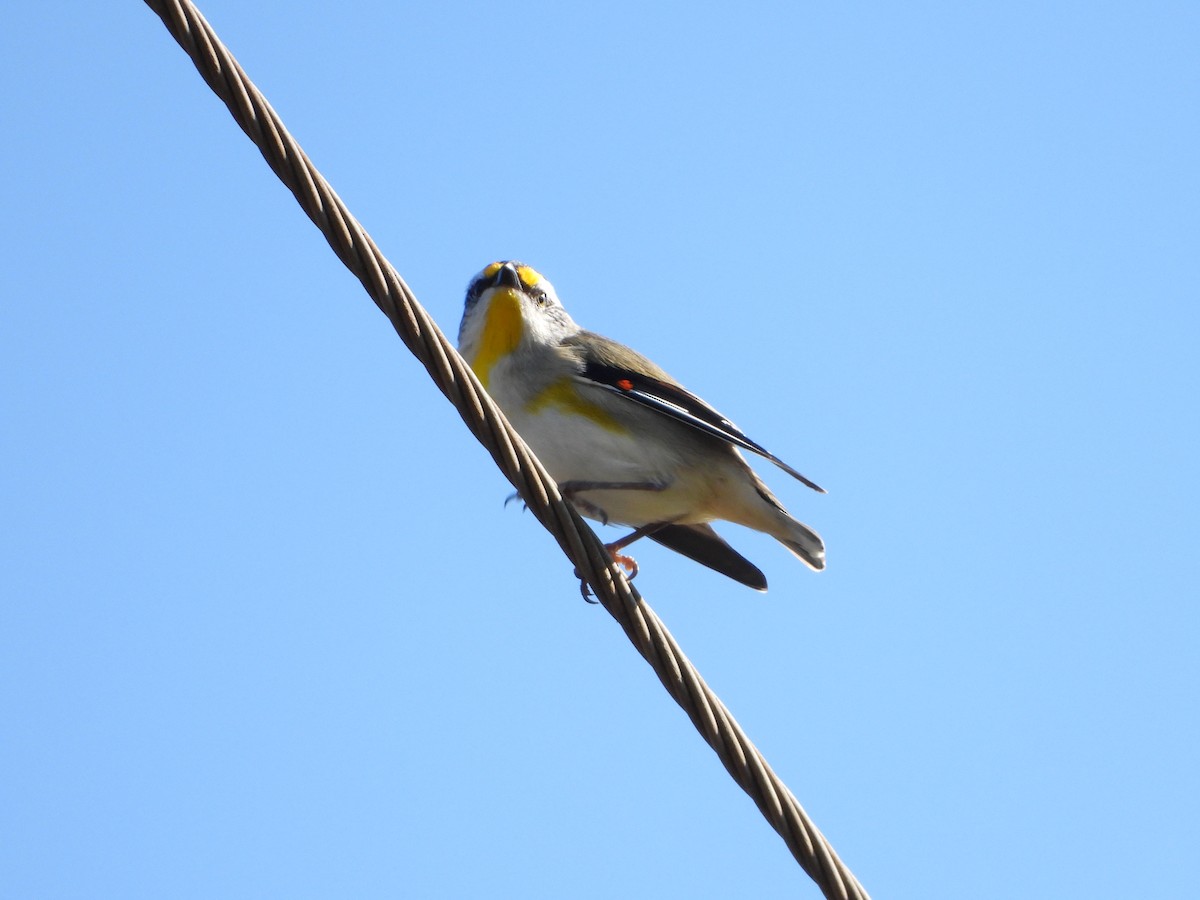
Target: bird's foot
627, 563
585, 590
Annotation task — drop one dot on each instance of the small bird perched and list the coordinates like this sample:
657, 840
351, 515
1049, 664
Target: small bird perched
626, 443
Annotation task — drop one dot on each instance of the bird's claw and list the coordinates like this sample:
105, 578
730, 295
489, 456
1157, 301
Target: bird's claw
585, 590
627, 563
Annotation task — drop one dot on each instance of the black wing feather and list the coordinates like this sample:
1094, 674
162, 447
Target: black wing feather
680, 404
702, 544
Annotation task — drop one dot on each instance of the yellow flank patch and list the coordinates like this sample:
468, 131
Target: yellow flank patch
501, 332
528, 275
564, 397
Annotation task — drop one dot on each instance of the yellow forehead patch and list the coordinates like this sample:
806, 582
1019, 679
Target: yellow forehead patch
492, 269
529, 276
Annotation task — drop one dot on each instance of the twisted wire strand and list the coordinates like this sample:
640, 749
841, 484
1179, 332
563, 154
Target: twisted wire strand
454, 378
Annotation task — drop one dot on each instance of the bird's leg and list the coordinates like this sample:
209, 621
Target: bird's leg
574, 487
636, 535
571, 490
628, 563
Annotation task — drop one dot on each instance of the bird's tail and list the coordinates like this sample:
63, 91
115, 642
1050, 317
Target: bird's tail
756, 507
804, 543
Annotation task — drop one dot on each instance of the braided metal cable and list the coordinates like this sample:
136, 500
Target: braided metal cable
455, 379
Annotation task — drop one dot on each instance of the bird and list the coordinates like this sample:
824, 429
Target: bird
626, 443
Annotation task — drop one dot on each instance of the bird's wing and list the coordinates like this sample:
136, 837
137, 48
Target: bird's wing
608, 364
702, 544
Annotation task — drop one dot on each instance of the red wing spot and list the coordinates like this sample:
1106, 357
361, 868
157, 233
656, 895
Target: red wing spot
625, 384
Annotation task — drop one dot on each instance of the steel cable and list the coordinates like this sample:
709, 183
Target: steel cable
455, 379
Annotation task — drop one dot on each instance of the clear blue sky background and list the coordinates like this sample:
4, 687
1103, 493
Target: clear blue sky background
266, 629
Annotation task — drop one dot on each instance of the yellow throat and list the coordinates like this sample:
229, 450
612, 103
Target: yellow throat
501, 332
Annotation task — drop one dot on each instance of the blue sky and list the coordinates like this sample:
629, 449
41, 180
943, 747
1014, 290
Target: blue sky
267, 628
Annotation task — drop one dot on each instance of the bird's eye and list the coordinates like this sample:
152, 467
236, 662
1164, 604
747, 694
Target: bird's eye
541, 298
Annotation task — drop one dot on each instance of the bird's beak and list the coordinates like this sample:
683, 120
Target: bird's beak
507, 276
